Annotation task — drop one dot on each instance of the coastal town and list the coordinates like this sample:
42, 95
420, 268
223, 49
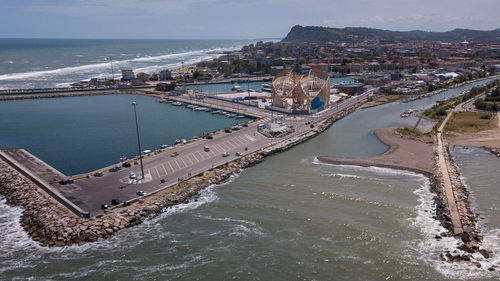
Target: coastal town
298, 90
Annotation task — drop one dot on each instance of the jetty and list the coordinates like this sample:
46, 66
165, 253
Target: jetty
171, 175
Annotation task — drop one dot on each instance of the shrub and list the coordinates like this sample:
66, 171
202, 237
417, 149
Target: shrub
441, 112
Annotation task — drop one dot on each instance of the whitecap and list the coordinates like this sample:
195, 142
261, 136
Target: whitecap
428, 249
97, 67
374, 169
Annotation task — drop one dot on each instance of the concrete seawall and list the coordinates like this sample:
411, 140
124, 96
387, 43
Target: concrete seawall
44, 185
77, 94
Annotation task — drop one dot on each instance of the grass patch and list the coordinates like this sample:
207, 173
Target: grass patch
388, 98
407, 131
464, 123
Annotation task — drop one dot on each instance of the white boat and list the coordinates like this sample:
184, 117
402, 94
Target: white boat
230, 115
236, 88
240, 116
267, 88
177, 103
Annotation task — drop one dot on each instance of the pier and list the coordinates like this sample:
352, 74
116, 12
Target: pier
168, 167
448, 189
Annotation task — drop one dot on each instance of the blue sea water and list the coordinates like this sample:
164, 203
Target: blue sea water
41, 63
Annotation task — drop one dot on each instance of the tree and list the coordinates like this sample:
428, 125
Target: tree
196, 74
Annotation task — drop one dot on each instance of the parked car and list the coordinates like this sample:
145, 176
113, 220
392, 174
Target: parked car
114, 169
141, 193
104, 206
238, 153
126, 165
132, 176
116, 201
174, 154
63, 182
98, 174
206, 148
225, 154
244, 125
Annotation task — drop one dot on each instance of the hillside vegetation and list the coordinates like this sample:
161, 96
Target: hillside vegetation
318, 34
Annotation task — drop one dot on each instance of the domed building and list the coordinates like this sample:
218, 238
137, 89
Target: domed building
298, 92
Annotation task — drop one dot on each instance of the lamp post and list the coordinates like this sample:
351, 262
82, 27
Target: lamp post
138, 139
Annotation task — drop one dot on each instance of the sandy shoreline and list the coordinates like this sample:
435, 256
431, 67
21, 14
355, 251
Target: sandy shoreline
404, 153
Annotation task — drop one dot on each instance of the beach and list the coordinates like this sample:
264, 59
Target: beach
406, 153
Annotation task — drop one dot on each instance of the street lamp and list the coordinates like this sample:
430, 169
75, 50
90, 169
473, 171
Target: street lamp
138, 139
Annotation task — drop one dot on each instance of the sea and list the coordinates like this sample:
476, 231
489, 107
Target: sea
48, 63
288, 218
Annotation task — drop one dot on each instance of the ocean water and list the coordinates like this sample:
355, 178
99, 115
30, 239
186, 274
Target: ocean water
288, 218
45, 63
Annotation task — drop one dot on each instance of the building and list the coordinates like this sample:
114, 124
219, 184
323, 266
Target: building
164, 87
127, 74
143, 76
351, 89
165, 75
297, 92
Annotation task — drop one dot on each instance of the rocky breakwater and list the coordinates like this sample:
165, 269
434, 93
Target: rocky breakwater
51, 224
470, 237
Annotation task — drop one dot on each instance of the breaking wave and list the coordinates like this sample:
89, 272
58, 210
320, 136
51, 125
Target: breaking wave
429, 250
99, 67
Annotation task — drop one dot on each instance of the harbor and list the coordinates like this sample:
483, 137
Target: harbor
184, 190
171, 166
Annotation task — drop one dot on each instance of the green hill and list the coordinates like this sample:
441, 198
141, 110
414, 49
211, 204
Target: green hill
318, 34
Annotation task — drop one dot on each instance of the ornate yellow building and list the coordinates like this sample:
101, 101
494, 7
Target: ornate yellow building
295, 91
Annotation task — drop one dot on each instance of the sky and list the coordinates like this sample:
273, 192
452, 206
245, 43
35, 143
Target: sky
232, 19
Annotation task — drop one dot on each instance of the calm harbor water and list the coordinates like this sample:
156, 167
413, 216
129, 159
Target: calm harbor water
289, 218
81, 134
245, 86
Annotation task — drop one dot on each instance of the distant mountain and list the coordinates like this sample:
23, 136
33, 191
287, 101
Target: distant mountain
318, 34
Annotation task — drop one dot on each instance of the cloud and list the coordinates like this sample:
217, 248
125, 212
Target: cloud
234, 18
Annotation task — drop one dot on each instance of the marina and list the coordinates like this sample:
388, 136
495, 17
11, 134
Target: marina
207, 180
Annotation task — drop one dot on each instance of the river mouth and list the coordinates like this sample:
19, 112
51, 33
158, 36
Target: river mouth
288, 218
